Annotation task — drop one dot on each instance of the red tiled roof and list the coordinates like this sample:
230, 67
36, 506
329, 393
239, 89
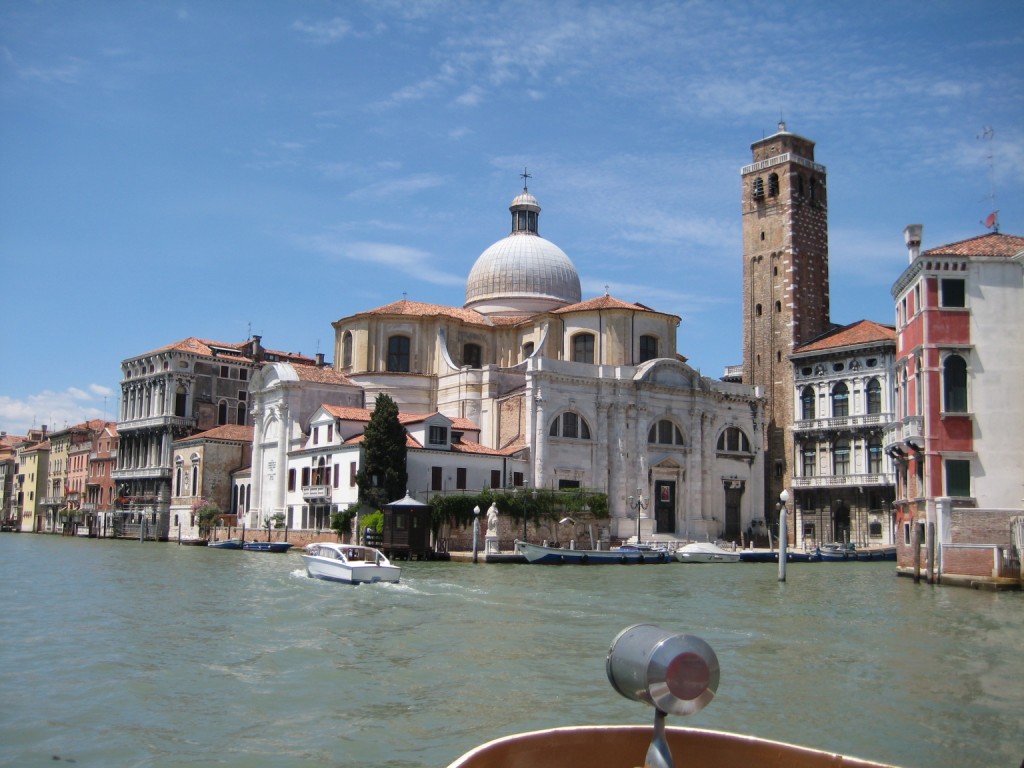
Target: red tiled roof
468, 446
420, 309
992, 244
197, 346
602, 302
237, 432
860, 332
320, 374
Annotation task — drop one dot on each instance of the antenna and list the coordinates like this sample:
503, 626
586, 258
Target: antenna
992, 220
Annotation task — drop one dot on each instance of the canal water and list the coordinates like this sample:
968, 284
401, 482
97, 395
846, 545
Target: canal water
130, 654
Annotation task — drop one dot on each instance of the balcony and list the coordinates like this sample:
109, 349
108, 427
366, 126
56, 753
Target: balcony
51, 501
913, 430
843, 481
142, 473
316, 492
157, 422
835, 423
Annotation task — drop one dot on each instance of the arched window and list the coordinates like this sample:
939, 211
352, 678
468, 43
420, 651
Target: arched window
527, 350
346, 350
222, 412
398, 354
758, 188
179, 400
178, 466
733, 440
807, 403
471, 355
195, 474
583, 348
841, 457
840, 400
778, 306
874, 396
240, 414
773, 185
664, 432
757, 310
570, 425
648, 348
954, 384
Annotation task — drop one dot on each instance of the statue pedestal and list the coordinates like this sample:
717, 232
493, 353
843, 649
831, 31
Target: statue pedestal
491, 545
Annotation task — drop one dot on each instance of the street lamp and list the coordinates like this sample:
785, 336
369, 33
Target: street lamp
639, 504
783, 536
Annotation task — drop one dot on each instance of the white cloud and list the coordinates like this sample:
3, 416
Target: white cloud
383, 189
414, 262
56, 410
324, 32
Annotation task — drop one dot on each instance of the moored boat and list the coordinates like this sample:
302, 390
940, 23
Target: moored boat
226, 544
348, 563
625, 555
705, 552
772, 556
266, 546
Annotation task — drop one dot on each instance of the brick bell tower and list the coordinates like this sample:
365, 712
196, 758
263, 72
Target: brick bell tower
785, 286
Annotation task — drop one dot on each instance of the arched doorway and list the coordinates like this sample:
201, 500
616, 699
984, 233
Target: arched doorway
841, 522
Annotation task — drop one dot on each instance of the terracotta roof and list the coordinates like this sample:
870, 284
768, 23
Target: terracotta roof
348, 413
237, 432
992, 244
860, 332
468, 446
602, 302
197, 346
320, 374
419, 309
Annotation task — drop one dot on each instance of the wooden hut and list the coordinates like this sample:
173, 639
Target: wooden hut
406, 529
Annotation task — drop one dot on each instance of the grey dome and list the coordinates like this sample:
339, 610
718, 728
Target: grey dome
522, 273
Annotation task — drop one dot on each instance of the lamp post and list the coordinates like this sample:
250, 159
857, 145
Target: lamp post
638, 504
476, 529
783, 536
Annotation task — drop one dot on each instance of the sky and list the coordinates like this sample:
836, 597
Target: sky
221, 169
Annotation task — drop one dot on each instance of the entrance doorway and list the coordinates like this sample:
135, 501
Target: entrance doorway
733, 495
665, 506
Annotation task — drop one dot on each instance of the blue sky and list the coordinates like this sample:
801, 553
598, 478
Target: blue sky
175, 169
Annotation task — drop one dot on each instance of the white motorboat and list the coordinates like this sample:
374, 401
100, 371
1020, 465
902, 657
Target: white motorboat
705, 552
348, 563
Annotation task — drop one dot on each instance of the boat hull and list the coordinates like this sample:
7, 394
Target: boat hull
540, 555
350, 573
614, 746
266, 546
226, 544
764, 556
705, 553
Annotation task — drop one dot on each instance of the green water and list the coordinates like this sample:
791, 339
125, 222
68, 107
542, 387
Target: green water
129, 654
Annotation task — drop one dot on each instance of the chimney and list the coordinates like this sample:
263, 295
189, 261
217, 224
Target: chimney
257, 349
319, 359
912, 236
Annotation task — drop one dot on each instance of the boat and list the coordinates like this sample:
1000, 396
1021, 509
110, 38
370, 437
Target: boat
348, 563
772, 556
226, 544
624, 555
705, 552
676, 674
834, 553
193, 542
266, 546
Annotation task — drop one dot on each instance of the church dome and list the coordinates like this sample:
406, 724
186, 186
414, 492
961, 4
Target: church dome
523, 273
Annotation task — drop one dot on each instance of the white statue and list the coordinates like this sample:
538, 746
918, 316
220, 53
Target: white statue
492, 520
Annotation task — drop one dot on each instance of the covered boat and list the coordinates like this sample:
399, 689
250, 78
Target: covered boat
348, 563
226, 544
626, 555
705, 552
266, 546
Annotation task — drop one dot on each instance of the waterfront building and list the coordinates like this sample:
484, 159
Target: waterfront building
203, 465
169, 393
588, 394
9, 517
98, 505
67, 471
30, 484
960, 406
785, 286
844, 483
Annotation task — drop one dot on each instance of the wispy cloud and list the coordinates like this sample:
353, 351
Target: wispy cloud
413, 262
68, 72
324, 32
392, 187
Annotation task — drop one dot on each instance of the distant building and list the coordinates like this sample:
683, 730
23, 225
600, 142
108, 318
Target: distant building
98, 505
843, 400
173, 392
203, 466
960, 407
33, 461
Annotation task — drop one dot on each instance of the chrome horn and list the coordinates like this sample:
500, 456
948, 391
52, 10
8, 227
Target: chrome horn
674, 673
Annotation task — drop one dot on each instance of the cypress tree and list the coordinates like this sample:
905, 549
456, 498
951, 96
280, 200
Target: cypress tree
382, 478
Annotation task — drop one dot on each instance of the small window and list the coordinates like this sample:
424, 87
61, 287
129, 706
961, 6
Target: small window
773, 185
757, 310
958, 477
527, 350
953, 293
222, 412
778, 306
460, 478
875, 456
874, 397
495, 478
840, 400
224, 372
583, 348
648, 348
807, 403
758, 189
398, 354
841, 458
436, 479
810, 460
733, 440
438, 436
346, 350
291, 479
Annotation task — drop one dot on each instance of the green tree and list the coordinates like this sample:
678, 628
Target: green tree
206, 515
382, 478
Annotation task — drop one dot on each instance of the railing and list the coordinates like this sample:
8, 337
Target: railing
913, 427
843, 422
141, 473
51, 501
186, 422
316, 491
833, 481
